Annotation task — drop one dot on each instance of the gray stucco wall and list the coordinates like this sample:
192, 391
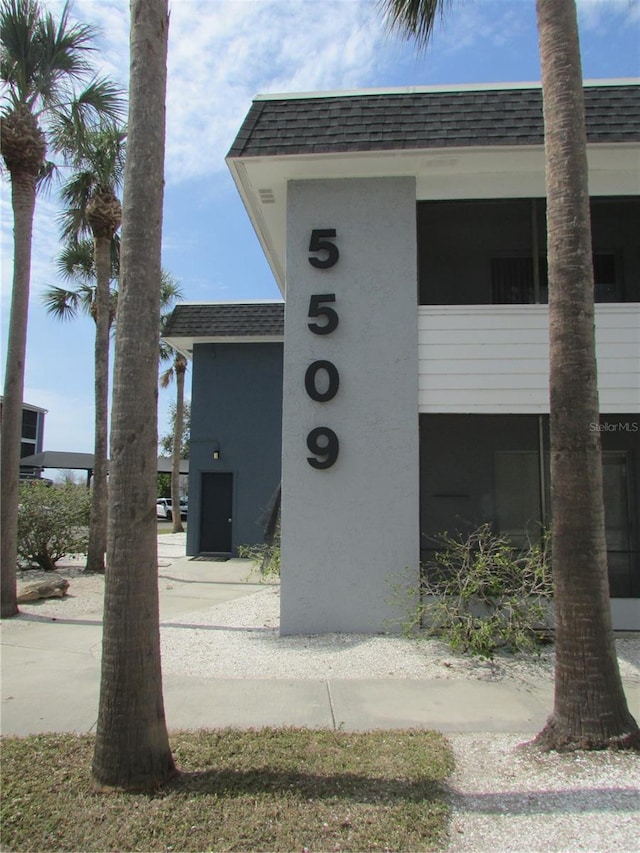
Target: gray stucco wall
349, 529
237, 407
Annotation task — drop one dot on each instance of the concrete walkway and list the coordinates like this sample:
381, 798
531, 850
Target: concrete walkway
51, 673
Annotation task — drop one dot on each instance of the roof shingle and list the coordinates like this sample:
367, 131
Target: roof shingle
231, 320
415, 120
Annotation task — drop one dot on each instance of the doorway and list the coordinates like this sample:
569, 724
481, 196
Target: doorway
216, 491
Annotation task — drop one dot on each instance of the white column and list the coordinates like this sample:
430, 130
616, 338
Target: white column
350, 529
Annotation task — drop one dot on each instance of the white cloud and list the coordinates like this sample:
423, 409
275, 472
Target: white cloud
594, 14
221, 55
223, 52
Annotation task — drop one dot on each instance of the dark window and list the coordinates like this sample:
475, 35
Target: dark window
29, 424
615, 483
518, 502
517, 495
27, 449
607, 286
513, 279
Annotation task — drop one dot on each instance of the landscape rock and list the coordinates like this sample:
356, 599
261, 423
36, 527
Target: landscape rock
34, 586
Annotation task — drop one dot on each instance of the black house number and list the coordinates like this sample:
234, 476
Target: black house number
322, 441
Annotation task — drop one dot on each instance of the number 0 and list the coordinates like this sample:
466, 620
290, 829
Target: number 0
310, 381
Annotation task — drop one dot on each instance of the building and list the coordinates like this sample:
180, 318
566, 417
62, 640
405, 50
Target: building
31, 437
406, 231
236, 419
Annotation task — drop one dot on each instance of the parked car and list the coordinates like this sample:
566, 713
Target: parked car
164, 508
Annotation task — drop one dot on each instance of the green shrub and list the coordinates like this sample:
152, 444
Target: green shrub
266, 555
479, 593
52, 521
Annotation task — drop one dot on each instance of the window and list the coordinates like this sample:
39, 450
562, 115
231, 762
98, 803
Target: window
607, 286
27, 449
29, 424
29, 433
517, 495
615, 477
513, 279
518, 508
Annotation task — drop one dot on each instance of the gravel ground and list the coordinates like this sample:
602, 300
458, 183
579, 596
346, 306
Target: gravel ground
240, 639
516, 799
507, 798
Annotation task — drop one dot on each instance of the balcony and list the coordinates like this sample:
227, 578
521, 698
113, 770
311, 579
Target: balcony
494, 358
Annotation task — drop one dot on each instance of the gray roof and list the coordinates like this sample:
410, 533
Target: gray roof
226, 320
84, 461
339, 123
59, 459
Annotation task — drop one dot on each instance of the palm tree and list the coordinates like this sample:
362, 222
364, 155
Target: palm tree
590, 708
92, 206
132, 746
77, 263
41, 63
177, 370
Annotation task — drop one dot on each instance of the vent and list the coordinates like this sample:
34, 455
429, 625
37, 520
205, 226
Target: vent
267, 196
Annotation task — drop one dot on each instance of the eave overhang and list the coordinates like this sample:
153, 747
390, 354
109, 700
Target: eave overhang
497, 171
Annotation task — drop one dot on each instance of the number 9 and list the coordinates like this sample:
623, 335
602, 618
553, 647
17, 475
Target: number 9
329, 450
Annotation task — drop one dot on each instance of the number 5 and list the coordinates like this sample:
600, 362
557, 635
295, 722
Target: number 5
317, 309
318, 243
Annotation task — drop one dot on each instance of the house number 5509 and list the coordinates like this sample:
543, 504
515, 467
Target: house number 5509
322, 441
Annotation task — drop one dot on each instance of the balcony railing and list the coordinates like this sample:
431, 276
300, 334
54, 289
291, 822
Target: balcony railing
495, 358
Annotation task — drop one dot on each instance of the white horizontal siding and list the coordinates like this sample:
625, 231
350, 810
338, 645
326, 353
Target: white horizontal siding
494, 358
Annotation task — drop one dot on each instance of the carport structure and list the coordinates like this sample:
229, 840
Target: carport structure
66, 460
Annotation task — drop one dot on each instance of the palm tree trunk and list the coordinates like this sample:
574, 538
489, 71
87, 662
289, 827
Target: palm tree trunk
132, 747
23, 199
178, 428
100, 497
590, 708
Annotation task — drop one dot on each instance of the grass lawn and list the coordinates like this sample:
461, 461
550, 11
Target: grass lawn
259, 790
164, 528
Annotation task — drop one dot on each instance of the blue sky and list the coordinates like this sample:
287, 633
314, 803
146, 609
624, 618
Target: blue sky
221, 54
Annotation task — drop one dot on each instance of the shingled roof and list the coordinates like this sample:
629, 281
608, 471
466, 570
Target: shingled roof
340, 123
226, 320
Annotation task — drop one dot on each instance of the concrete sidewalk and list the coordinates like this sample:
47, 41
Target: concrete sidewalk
51, 673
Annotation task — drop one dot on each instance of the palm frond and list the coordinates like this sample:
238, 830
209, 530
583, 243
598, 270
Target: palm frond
18, 25
48, 172
166, 378
43, 59
63, 304
76, 262
101, 99
75, 195
64, 47
170, 291
414, 18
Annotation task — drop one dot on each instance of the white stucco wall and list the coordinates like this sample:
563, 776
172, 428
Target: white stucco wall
348, 530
